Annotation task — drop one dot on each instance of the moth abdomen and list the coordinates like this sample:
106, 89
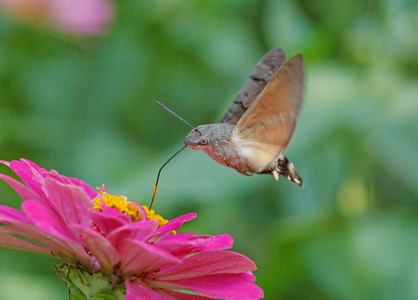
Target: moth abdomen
282, 166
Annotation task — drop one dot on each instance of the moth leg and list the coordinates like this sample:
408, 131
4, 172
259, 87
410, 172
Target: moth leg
275, 174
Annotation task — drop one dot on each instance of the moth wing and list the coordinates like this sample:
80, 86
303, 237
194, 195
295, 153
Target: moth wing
266, 128
260, 76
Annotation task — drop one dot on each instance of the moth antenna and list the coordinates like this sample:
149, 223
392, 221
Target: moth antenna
174, 114
158, 176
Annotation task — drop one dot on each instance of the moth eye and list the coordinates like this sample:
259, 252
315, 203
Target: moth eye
204, 141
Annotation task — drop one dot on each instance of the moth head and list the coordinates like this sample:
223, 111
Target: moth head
197, 138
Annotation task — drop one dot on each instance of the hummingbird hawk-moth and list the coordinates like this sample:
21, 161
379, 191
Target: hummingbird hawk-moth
256, 130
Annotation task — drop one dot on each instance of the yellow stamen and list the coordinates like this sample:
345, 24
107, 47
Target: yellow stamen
130, 209
97, 205
152, 216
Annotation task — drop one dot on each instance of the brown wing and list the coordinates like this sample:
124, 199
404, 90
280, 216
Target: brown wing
260, 76
265, 129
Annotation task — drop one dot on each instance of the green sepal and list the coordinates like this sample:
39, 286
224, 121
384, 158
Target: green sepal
85, 285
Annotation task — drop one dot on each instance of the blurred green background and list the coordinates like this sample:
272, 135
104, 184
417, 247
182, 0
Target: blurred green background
85, 107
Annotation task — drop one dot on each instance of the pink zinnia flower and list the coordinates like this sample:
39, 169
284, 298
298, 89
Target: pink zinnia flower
125, 249
77, 17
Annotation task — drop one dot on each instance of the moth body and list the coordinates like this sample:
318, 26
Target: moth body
254, 133
218, 141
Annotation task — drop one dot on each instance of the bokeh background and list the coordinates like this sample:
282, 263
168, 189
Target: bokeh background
84, 106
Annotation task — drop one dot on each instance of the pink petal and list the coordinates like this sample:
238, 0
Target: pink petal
45, 173
30, 175
91, 193
31, 164
68, 180
109, 219
139, 291
138, 257
10, 241
101, 248
54, 175
182, 296
44, 217
182, 244
69, 249
71, 201
8, 214
208, 263
248, 276
21, 189
175, 223
226, 286
4, 162
138, 231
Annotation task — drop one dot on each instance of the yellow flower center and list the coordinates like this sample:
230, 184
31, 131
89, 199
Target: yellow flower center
152, 216
129, 208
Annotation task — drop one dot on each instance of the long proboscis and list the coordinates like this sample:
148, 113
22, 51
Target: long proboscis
159, 172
